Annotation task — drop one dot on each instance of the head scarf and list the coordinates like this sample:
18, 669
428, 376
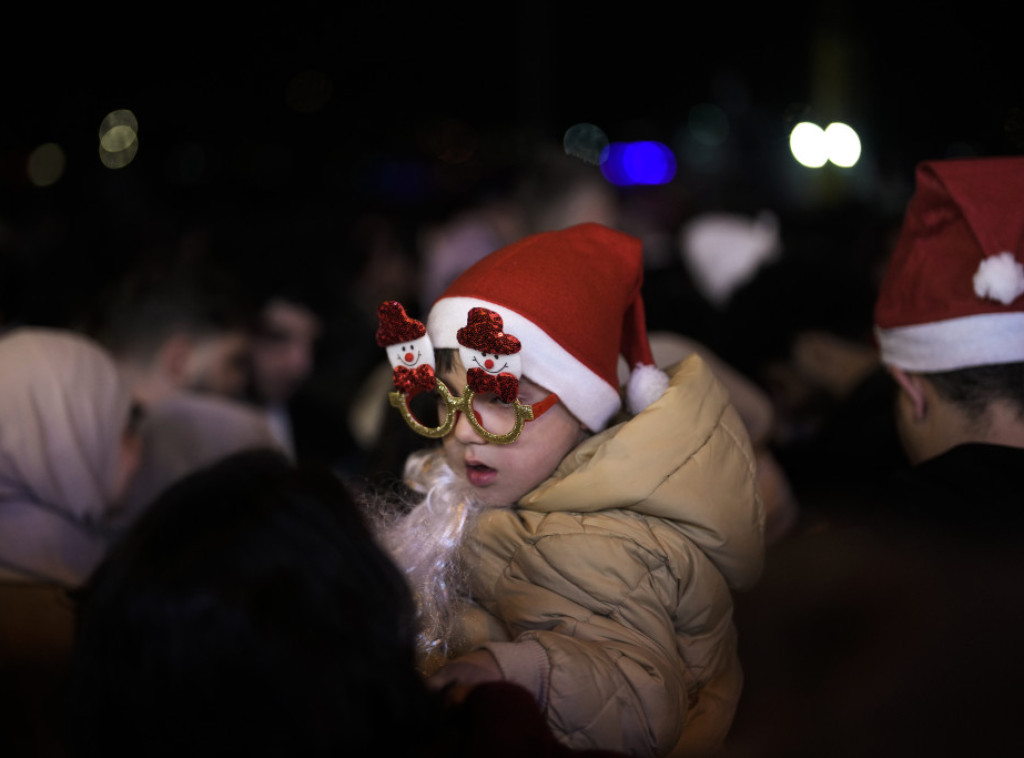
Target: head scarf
63, 412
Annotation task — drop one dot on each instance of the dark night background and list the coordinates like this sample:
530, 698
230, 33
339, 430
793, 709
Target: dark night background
418, 107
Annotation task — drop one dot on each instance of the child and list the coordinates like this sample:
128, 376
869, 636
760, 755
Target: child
590, 563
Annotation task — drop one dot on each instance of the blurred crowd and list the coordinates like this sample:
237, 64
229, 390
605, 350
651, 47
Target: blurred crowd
259, 308
234, 336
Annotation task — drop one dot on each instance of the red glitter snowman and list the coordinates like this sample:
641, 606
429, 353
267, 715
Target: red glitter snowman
491, 357
408, 348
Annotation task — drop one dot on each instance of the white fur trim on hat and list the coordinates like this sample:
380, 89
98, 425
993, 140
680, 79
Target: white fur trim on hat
587, 396
978, 340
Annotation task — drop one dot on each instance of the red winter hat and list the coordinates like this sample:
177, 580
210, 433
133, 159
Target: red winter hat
572, 299
953, 293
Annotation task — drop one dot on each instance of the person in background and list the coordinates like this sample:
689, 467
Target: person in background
300, 373
69, 441
68, 448
834, 434
185, 432
894, 627
174, 328
949, 321
181, 338
283, 357
250, 612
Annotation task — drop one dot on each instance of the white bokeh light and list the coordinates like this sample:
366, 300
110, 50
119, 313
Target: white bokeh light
813, 146
807, 143
843, 144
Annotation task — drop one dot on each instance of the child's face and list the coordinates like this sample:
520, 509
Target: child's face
501, 474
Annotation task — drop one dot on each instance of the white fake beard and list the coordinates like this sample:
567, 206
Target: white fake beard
425, 543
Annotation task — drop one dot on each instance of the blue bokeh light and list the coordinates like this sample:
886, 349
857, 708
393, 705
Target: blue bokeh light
646, 162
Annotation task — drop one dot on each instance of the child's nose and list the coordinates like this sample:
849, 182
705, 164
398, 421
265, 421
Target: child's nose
464, 431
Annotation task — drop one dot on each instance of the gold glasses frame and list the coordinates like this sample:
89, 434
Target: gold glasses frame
523, 414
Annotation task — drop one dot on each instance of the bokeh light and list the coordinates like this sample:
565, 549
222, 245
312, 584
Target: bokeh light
46, 165
586, 142
807, 143
630, 163
843, 144
119, 139
813, 146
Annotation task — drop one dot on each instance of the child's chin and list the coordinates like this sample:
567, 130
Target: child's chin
491, 497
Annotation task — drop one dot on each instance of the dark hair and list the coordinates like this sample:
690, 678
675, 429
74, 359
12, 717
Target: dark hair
248, 612
973, 389
444, 359
151, 304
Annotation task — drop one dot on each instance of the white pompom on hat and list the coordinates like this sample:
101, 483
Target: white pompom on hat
952, 297
572, 298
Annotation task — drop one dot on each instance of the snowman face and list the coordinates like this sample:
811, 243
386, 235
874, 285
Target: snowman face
411, 354
492, 363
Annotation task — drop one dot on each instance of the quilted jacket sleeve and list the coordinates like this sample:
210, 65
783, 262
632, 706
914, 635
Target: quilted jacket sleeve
595, 605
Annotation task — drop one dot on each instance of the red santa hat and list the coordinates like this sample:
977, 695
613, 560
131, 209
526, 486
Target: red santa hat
953, 293
572, 298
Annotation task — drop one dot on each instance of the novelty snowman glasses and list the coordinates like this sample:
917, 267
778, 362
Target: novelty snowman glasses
490, 400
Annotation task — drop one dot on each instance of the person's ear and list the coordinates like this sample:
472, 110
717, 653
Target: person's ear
913, 386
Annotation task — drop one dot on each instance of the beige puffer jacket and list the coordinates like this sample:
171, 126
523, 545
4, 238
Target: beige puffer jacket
606, 592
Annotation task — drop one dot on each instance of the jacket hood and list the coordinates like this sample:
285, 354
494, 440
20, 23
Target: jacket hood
686, 459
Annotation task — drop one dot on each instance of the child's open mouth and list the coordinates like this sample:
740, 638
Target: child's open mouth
480, 475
